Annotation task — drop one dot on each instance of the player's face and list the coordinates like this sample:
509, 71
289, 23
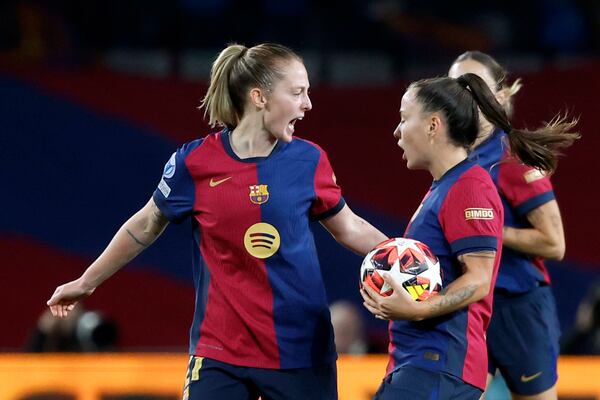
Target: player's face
411, 132
287, 101
474, 67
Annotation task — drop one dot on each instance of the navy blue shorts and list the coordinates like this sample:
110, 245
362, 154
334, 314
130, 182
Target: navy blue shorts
522, 341
208, 379
420, 384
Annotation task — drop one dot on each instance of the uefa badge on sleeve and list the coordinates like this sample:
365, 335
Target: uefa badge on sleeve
169, 170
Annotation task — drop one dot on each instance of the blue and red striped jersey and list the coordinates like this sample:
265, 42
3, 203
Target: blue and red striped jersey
522, 189
260, 298
461, 213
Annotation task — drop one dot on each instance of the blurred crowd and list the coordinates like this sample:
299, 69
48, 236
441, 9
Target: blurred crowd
408, 34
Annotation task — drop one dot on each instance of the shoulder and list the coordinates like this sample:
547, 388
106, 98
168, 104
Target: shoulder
472, 206
474, 185
474, 177
305, 149
514, 171
190, 147
305, 144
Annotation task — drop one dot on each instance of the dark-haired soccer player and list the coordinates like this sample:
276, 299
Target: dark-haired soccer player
438, 348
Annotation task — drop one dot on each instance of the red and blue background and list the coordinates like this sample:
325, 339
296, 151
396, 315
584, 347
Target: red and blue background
82, 151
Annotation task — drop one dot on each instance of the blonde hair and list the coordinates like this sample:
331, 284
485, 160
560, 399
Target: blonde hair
236, 70
498, 73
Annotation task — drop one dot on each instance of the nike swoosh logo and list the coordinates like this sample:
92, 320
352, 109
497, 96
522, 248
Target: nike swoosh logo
525, 378
214, 183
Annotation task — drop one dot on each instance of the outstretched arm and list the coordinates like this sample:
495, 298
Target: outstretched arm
139, 232
546, 237
473, 285
353, 232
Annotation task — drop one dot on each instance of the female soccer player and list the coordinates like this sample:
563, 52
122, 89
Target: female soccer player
437, 347
261, 325
524, 331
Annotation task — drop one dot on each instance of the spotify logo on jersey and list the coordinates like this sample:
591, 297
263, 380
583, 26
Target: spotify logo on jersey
262, 240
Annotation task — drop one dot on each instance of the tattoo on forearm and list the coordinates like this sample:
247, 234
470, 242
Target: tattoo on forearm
138, 241
450, 300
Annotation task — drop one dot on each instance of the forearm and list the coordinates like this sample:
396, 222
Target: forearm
137, 234
362, 237
465, 290
353, 232
531, 241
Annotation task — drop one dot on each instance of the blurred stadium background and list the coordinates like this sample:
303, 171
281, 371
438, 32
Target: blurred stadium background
96, 95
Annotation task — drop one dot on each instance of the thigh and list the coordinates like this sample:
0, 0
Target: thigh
316, 383
418, 384
209, 379
523, 342
409, 383
453, 388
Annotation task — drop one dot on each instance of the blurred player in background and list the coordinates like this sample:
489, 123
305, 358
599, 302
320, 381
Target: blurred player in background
523, 336
262, 325
349, 328
438, 348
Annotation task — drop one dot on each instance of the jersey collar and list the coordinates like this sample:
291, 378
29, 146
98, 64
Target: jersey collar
227, 146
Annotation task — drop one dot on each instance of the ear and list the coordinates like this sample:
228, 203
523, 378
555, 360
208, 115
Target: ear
435, 125
258, 98
502, 95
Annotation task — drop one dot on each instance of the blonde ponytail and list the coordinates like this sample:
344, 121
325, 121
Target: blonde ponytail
236, 70
217, 102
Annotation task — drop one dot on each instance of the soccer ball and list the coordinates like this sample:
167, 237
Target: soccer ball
412, 264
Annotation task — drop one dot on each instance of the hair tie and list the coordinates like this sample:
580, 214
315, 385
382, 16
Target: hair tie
242, 53
462, 81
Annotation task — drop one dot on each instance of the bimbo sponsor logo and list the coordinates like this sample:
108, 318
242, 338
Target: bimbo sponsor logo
479, 213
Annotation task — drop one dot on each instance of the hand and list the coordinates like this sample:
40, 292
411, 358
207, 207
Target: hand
399, 305
66, 296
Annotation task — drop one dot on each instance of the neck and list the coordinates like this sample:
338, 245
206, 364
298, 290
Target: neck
485, 131
250, 139
445, 160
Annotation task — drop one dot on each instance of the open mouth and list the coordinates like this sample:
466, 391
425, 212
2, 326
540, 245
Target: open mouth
292, 123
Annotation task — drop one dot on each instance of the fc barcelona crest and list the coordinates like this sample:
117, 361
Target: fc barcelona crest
259, 194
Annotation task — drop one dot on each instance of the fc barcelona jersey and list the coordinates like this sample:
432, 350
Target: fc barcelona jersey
260, 298
461, 213
522, 189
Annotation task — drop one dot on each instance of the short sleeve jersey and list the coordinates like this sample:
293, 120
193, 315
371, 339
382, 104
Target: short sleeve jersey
461, 213
260, 298
522, 189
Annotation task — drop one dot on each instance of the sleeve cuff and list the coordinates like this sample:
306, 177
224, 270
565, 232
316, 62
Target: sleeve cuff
162, 206
534, 202
474, 243
331, 212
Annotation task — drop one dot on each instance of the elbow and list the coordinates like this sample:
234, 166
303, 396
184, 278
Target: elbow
482, 285
556, 252
557, 256
483, 289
